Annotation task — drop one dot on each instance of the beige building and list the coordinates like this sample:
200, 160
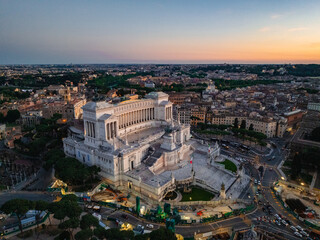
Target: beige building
71, 110
31, 118
2, 131
267, 126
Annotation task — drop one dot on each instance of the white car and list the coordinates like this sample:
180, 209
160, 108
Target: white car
299, 228
255, 181
293, 229
140, 226
297, 234
277, 217
284, 223
304, 233
150, 226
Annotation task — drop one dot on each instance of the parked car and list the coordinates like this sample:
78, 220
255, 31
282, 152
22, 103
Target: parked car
297, 234
150, 226
293, 229
140, 226
284, 223
299, 228
304, 233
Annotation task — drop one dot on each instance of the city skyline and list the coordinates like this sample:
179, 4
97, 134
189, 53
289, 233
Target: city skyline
36, 32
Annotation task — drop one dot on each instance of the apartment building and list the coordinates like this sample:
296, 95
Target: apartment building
71, 110
269, 127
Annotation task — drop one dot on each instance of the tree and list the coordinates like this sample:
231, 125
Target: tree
142, 237
65, 235
40, 206
70, 197
12, 116
70, 224
73, 172
115, 233
162, 234
88, 221
60, 215
18, 206
127, 234
65, 208
243, 124
251, 127
100, 232
236, 123
72, 209
84, 234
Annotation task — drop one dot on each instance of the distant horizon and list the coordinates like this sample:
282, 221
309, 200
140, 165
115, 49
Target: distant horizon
160, 32
163, 63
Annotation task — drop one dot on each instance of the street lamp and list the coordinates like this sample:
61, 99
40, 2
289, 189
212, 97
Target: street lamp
302, 184
282, 178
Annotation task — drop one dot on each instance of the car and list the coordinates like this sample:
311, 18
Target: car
124, 216
140, 226
278, 223
259, 182
150, 226
278, 217
297, 234
299, 228
255, 181
284, 223
304, 233
293, 229
270, 169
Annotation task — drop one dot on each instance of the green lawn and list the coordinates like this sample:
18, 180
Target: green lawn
197, 194
229, 165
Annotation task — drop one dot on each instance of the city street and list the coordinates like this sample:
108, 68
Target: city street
190, 230
33, 196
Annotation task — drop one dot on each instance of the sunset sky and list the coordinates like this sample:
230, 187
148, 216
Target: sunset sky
149, 31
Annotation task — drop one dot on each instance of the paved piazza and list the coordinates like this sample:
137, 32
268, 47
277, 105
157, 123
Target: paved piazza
142, 150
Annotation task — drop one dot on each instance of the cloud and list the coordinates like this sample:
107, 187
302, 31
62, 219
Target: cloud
275, 16
298, 29
265, 29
